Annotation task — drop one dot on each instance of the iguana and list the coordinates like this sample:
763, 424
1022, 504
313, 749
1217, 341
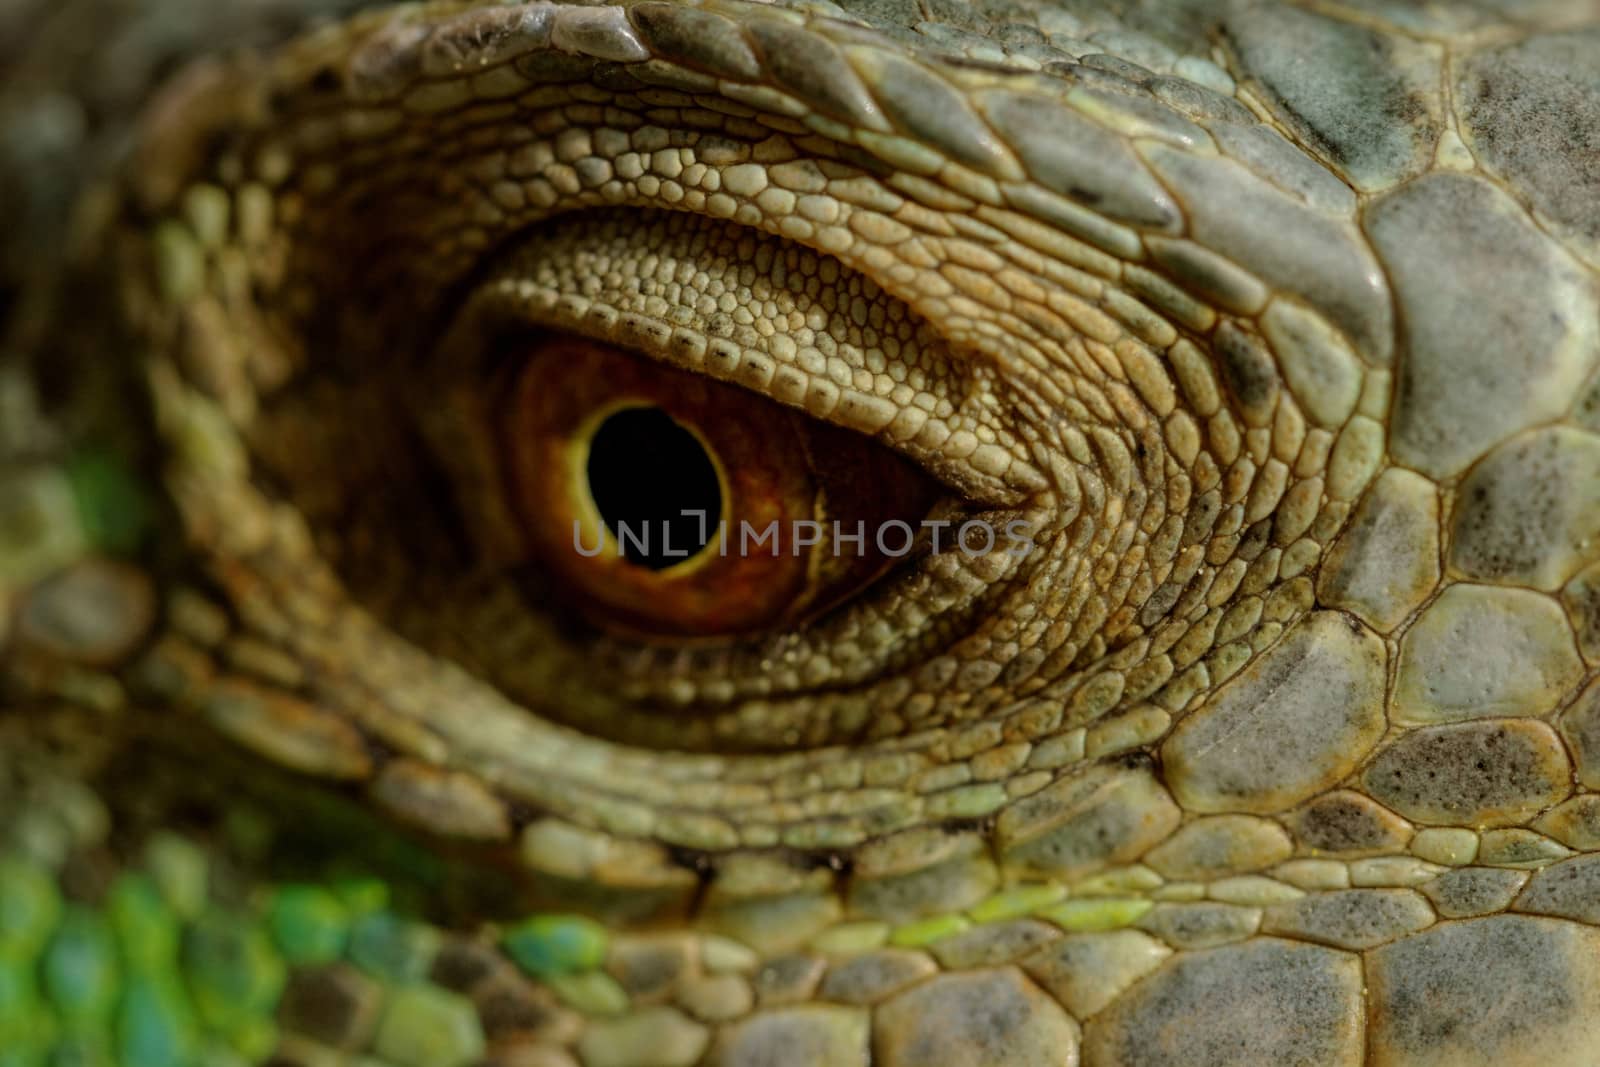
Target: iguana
339, 339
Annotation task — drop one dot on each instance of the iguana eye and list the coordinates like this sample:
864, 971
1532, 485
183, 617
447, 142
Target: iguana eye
439, 459
666, 505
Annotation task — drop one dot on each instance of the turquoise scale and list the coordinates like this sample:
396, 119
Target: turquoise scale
159, 975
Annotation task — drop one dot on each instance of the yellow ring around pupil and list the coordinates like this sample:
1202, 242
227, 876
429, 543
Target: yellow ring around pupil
590, 515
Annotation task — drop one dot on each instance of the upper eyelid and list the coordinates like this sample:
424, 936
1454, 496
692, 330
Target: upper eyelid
805, 328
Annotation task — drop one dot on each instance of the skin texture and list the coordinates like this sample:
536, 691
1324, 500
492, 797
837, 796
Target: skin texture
1276, 326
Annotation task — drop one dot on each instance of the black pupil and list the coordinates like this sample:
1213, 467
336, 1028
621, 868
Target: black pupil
646, 470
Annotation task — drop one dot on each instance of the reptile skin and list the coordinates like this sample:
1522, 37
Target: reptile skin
1276, 323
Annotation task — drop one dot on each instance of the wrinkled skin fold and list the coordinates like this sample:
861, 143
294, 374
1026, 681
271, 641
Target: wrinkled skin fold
1277, 326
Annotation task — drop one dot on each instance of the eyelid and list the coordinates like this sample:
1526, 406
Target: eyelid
766, 314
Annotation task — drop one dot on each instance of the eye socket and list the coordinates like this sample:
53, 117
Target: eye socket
670, 506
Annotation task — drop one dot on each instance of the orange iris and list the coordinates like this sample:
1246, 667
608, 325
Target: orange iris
671, 505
